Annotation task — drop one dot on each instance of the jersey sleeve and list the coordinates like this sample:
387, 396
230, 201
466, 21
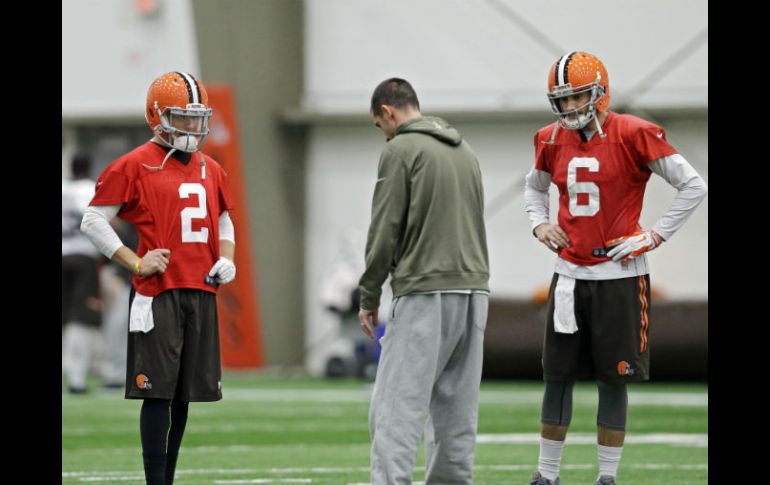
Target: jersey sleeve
541, 162
650, 144
225, 199
113, 187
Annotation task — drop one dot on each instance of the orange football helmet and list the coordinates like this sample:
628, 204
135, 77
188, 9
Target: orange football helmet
574, 74
178, 111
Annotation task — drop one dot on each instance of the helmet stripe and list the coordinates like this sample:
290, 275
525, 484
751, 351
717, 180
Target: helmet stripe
556, 72
562, 68
192, 87
197, 89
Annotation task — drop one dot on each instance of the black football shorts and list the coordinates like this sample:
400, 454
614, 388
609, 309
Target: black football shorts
179, 357
611, 343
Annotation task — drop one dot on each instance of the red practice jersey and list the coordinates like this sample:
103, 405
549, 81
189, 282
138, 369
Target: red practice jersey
601, 181
174, 208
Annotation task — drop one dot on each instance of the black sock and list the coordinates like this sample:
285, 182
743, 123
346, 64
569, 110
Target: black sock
153, 429
178, 422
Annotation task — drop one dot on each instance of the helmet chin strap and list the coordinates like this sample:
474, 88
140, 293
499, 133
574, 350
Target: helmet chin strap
158, 131
598, 124
599, 93
173, 149
163, 163
553, 133
557, 125
599, 127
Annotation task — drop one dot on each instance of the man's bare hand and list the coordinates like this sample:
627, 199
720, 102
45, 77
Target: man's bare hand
369, 320
552, 236
155, 261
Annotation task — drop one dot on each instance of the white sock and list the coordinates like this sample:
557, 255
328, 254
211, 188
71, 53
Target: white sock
550, 458
609, 459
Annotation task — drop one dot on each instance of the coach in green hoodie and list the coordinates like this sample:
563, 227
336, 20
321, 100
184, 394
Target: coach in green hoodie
427, 231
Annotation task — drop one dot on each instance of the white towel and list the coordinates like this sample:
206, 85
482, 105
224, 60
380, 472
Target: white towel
141, 314
564, 310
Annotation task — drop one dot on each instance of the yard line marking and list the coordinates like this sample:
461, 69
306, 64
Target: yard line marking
108, 476
581, 397
268, 480
694, 440
687, 439
669, 399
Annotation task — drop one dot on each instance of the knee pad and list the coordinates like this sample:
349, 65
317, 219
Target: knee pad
613, 406
557, 403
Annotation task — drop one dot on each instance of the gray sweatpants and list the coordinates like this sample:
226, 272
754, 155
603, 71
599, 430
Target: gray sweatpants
430, 367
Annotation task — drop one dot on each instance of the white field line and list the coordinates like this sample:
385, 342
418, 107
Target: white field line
267, 480
699, 399
691, 440
255, 426
123, 476
682, 439
108, 476
652, 466
670, 399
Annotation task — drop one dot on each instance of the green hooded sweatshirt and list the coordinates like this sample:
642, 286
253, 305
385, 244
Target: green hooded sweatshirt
427, 224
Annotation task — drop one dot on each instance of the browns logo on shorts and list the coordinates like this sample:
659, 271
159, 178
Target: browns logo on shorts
143, 382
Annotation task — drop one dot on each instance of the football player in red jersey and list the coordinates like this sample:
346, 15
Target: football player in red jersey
597, 323
178, 200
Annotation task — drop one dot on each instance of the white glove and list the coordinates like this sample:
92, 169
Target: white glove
634, 245
223, 271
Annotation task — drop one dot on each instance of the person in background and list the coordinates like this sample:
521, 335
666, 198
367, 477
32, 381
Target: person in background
81, 307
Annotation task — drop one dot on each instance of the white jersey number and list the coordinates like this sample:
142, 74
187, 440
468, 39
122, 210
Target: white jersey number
190, 213
574, 187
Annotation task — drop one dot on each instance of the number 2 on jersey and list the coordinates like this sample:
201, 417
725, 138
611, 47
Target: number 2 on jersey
574, 187
190, 213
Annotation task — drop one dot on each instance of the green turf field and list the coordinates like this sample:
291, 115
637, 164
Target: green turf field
275, 430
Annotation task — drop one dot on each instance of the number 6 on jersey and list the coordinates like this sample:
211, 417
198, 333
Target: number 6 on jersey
574, 187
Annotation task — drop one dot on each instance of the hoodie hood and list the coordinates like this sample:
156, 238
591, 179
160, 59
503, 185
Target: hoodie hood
433, 126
